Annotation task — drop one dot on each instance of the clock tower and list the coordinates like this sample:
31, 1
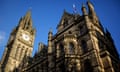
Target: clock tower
20, 44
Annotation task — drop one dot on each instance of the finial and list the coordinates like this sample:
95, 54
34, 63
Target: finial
50, 30
28, 14
83, 5
84, 9
30, 8
29, 11
65, 11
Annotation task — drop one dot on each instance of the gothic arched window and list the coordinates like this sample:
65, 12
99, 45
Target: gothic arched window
71, 48
84, 46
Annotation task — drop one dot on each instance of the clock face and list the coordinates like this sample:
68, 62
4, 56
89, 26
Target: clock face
26, 37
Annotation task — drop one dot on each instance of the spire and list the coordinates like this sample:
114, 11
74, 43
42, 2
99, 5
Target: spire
84, 9
27, 17
26, 21
28, 14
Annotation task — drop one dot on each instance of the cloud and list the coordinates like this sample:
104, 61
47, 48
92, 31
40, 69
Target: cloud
2, 37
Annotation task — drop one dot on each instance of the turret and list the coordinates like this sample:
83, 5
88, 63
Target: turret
50, 52
91, 8
85, 15
50, 34
92, 13
84, 10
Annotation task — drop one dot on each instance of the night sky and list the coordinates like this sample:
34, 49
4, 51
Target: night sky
46, 14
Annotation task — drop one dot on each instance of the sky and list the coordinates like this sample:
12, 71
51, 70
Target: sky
46, 14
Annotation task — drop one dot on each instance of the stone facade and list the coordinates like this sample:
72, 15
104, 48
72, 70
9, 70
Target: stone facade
80, 45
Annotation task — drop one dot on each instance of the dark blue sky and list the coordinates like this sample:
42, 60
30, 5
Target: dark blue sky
46, 14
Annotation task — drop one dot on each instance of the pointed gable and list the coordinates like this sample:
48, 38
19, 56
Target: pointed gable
64, 20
